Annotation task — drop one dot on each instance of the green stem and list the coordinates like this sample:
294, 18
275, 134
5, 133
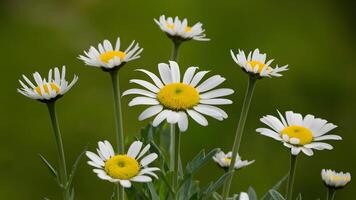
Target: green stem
175, 50
176, 159
293, 164
330, 193
172, 146
63, 178
118, 122
239, 132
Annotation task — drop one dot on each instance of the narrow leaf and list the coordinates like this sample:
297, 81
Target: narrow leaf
252, 194
49, 166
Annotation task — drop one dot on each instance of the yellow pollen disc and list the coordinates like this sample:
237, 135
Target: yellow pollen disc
122, 167
45, 87
188, 29
260, 65
106, 57
178, 96
170, 26
228, 160
304, 135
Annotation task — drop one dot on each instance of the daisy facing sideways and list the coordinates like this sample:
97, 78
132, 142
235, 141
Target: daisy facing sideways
335, 180
179, 29
173, 98
54, 87
255, 64
123, 168
224, 160
298, 133
110, 57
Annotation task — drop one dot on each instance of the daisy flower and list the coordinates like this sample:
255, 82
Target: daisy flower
243, 196
334, 179
255, 64
109, 57
123, 168
180, 30
224, 160
44, 90
172, 98
298, 133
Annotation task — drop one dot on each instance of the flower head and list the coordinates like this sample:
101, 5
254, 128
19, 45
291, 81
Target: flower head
243, 196
123, 168
298, 133
44, 90
255, 64
109, 57
224, 160
180, 30
334, 179
172, 98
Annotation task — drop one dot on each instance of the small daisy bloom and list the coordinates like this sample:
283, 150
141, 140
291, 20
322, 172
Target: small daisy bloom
298, 133
243, 196
255, 64
173, 99
334, 179
224, 160
123, 168
53, 88
180, 29
109, 57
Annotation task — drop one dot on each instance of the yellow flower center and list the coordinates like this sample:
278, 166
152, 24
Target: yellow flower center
122, 167
304, 135
171, 26
106, 57
178, 96
54, 86
336, 178
228, 160
258, 64
188, 29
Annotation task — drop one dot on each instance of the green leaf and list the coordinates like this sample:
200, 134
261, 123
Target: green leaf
74, 168
217, 196
277, 185
52, 170
206, 194
276, 195
299, 197
152, 189
252, 194
200, 160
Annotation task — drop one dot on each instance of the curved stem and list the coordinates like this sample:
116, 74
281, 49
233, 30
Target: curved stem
118, 122
330, 194
293, 164
63, 178
239, 132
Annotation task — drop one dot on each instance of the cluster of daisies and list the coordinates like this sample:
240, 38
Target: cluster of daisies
173, 96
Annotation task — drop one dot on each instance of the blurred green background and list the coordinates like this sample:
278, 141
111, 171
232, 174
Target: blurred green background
316, 38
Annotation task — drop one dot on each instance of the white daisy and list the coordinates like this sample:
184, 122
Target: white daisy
334, 179
299, 134
172, 98
255, 63
243, 196
180, 29
123, 168
224, 160
54, 87
109, 57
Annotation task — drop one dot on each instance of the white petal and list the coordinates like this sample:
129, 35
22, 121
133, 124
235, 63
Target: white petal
208, 111
183, 121
125, 183
95, 158
217, 93
197, 78
175, 73
269, 133
148, 159
150, 111
200, 119
142, 179
139, 91
165, 73
210, 83
155, 79
319, 146
134, 149
143, 101
146, 84
216, 101
328, 137
160, 117
188, 75
307, 151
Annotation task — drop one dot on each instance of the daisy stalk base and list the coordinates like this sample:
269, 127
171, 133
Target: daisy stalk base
118, 121
330, 193
62, 169
239, 132
293, 165
176, 146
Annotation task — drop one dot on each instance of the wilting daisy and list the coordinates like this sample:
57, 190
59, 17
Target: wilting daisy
44, 89
109, 57
172, 98
123, 168
224, 160
334, 179
255, 63
298, 133
178, 29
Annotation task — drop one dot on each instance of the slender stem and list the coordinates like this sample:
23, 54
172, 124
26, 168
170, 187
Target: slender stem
330, 193
176, 159
239, 132
172, 146
175, 50
293, 164
63, 178
118, 122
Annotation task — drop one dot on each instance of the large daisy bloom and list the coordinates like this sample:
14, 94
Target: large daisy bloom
255, 64
224, 160
173, 99
44, 89
334, 179
298, 133
108, 57
123, 168
180, 29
